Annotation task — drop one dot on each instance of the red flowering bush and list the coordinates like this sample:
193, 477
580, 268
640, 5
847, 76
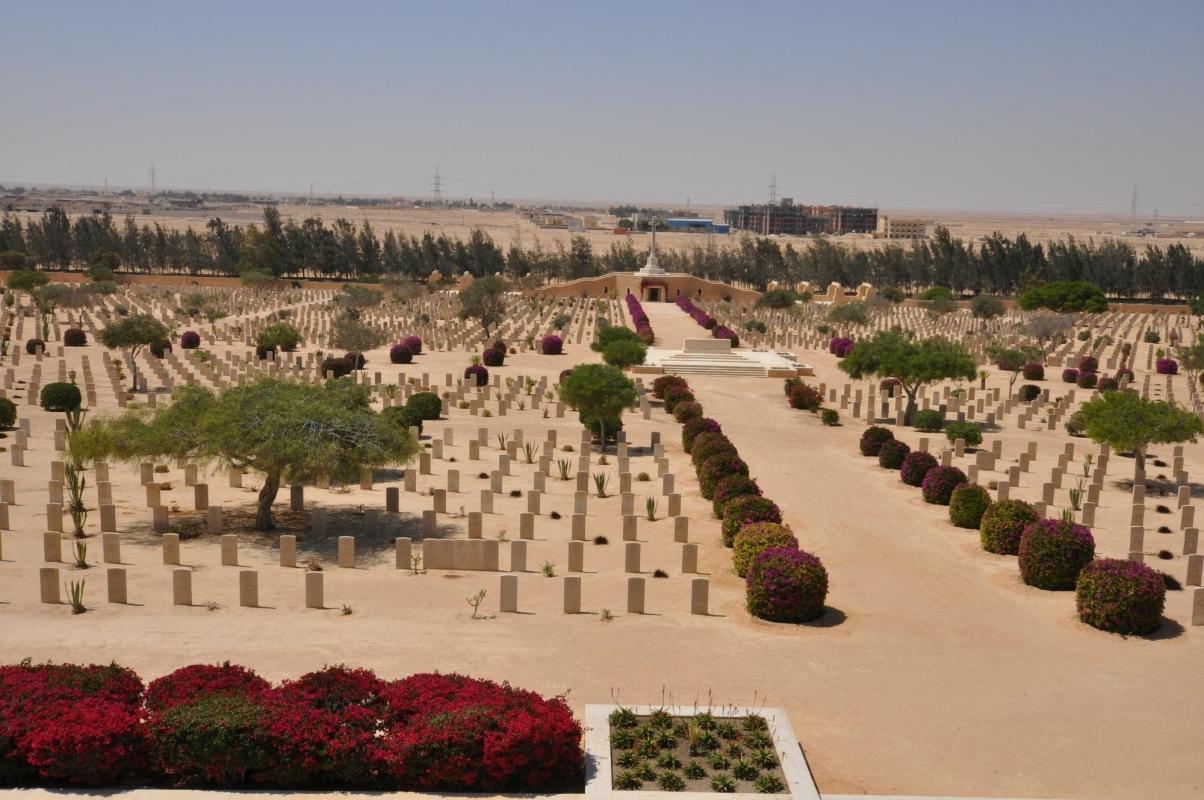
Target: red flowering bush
190, 340
724, 332
716, 468
744, 510
413, 344
840, 346
451, 733
806, 398
915, 466
891, 454
1166, 366
729, 488
785, 584
551, 345
1120, 596
939, 483
1033, 371
1002, 525
664, 382
1052, 552
873, 438
74, 337
201, 680
400, 354
90, 741
1106, 384
1087, 380
494, 357
695, 427
1088, 364
1070, 375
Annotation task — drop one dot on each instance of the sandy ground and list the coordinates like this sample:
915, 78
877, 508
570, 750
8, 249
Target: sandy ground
935, 670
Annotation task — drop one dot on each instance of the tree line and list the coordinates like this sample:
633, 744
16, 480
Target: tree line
342, 250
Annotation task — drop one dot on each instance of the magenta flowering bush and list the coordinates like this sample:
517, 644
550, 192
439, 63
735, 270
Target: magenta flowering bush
1107, 384
414, 343
476, 375
939, 483
744, 510
551, 345
190, 340
1070, 375
785, 584
873, 438
692, 428
1032, 371
356, 360
1087, 380
639, 320
1120, 596
724, 332
1123, 373
840, 346
1002, 525
715, 469
1053, 552
915, 466
493, 357
1166, 366
400, 354
729, 488
1088, 364
892, 453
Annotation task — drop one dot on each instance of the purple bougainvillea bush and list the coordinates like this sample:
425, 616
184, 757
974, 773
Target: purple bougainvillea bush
1053, 552
1120, 596
785, 584
939, 483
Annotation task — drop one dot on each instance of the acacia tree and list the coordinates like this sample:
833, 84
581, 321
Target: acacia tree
1191, 358
132, 334
913, 364
1013, 359
1047, 327
1129, 423
600, 393
269, 425
485, 301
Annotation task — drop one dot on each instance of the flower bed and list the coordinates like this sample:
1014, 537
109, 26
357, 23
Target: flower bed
704, 319
223, 726
639, 320
696, 750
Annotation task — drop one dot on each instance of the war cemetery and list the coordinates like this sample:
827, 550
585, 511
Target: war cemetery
715, 542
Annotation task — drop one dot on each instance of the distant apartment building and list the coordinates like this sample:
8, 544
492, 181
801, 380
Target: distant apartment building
890, 227
789, 219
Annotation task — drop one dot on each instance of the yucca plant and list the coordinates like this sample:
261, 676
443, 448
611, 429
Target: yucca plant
76, 482
501, 441
81, 555
601, 483
75, 596
650, 506
563, 465
529, 452
1068, 515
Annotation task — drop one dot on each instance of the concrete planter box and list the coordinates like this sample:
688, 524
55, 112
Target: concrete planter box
598, 768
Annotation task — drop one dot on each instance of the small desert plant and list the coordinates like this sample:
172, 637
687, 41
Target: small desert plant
313, 565
563, 465
601, 540
650, 508
75, 596
475, 602
601, 483
606, 615
81, 555
548, 569
529, 451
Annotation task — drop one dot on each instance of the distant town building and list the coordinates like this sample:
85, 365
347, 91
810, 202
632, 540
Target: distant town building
696, 225
891, 227
789, 219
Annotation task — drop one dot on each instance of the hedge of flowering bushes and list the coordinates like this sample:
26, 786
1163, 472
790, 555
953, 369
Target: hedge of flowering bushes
782, 582
222, 726
704, 319
639, 320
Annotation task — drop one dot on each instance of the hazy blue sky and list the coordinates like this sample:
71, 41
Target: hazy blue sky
1027, 106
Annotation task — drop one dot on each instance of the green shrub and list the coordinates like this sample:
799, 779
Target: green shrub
1002, 525
1029, 392
60, 397
829, 417
971, 432
753, 539
624, 354
426, 405
404, 416
928, 420
8, 413
1065, 296
744, 510
212, 741
968, 504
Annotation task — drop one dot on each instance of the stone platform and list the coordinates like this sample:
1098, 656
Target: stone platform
716, 357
